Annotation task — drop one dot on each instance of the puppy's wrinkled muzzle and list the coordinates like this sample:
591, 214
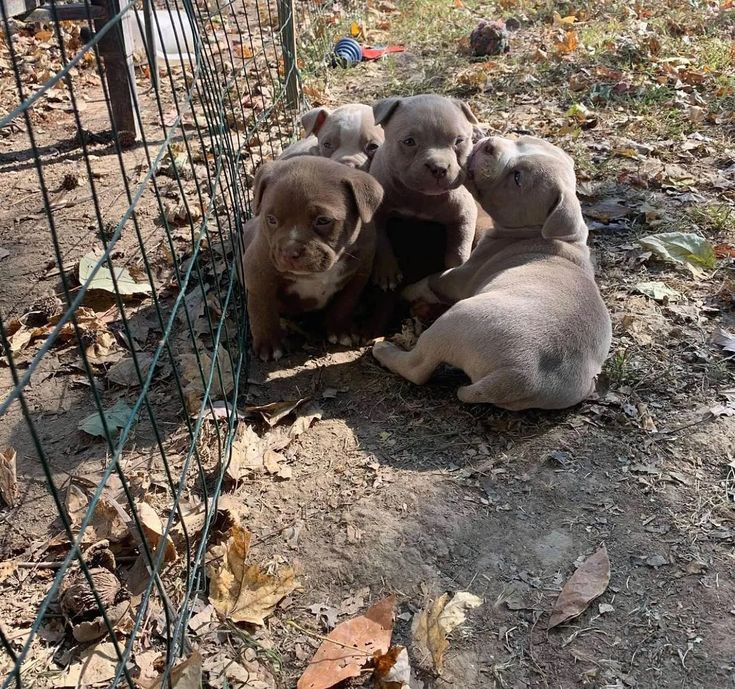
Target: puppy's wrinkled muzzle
487, 160
301, 258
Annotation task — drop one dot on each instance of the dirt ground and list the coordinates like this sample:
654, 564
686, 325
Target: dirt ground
402, 490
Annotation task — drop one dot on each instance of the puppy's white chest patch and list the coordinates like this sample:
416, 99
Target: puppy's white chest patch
317, 288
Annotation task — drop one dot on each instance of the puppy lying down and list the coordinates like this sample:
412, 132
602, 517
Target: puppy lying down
309, 248
527, 325
347, 134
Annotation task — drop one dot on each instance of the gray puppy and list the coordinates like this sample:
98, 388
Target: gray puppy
428, 139
528, 325
347, 135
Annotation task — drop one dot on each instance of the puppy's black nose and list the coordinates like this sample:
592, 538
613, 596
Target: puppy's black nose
439, 171
292, 252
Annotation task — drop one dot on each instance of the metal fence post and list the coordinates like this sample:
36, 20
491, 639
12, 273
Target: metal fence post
288, 44
116, 48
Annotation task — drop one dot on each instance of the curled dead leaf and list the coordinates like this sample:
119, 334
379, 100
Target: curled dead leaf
393, 670
432, 626
153, 530
8, 477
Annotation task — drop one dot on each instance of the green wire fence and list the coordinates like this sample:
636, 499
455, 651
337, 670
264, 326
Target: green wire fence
138, 128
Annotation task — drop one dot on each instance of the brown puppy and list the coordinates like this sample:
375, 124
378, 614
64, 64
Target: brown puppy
528, 325
347, 134
428, 139
310, 247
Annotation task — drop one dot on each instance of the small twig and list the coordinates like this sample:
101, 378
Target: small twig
321, 637
65, 204
57, 564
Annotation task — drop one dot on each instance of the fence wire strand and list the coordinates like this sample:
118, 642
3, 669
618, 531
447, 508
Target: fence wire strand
146, 278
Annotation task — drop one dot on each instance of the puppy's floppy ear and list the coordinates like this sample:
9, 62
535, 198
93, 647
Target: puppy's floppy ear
366, 193
262, 178
384, 109
466, 111
313, 120
478, 133
565, 221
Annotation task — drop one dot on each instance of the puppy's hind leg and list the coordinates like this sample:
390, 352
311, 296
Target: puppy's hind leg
509, 388
416, 365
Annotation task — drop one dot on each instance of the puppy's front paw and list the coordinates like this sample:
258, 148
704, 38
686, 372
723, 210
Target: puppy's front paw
268, 348
382, 351
419, 291
340, 329
386, 273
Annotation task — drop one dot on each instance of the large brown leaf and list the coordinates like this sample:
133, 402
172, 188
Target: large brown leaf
243, 592
350, 646
586, 584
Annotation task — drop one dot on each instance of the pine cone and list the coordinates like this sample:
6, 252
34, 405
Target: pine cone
77, 599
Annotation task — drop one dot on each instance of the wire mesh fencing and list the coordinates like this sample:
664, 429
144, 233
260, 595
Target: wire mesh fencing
129, 137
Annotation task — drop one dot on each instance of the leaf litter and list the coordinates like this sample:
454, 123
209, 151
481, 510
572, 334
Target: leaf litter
252, 452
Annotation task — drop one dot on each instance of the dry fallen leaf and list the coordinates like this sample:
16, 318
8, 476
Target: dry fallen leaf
107, 523
123, 372
587, 583
76, 502
153, 530
275, 411
222, 380
432, 626
8, 477
186, 675
567, 43
97, 665
242, 592
393, 670
248, 450
724, 339
350, 646
103, 278
305, 415
7, 568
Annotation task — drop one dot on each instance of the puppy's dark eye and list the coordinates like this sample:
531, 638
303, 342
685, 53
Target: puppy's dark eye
322, 221
459, 141
272, 221
409, 141
371, 147
328, 145
517, 178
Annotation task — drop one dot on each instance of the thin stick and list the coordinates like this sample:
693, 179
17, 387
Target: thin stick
56, 564
291, 623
